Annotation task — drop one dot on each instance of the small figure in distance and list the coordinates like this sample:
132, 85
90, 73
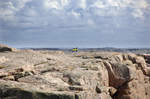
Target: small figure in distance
75, 50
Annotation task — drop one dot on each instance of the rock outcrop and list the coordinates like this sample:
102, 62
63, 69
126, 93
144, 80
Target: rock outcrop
28, 74
4, 48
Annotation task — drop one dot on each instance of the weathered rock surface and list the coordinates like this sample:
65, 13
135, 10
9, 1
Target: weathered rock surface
28, 74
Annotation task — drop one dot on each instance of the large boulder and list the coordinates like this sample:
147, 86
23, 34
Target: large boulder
130, 75
4, 48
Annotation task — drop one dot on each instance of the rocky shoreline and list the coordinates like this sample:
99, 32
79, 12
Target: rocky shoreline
28, 74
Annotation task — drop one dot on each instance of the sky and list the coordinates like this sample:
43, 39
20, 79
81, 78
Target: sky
75, 23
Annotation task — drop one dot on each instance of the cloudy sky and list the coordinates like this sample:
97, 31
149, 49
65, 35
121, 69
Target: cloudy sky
75, 23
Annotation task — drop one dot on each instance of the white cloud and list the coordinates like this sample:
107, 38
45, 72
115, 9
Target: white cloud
51, 4
8, 9
138, 13
82, 4
55, 4
141, 4
98, 4
54, 13
77, 15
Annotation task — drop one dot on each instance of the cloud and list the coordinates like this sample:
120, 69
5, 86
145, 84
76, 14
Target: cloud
75, 8
137, 13
52, 4
66, 16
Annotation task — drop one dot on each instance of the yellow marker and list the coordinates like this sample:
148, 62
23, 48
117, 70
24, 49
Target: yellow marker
74, 49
